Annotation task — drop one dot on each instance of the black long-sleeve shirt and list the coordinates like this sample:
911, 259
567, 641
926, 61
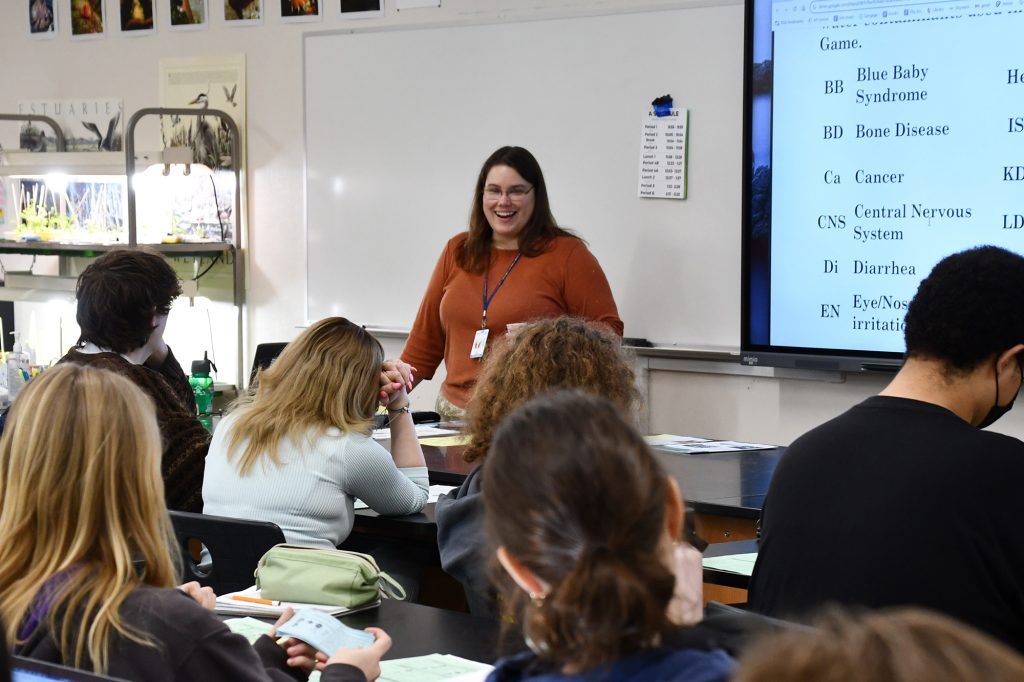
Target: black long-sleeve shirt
897, 502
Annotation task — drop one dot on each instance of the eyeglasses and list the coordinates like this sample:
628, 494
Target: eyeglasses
515, 193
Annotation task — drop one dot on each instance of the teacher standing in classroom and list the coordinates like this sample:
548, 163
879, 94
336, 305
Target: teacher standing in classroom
514, 265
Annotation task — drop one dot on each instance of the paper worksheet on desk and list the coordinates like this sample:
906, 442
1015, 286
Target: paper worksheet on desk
415, 669
692, 445
447, 441
433, 667
249, 602
696, 448
422, 431
741, 564
669, 439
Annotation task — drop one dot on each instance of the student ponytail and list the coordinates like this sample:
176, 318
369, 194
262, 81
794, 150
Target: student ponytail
609, 603
573, 493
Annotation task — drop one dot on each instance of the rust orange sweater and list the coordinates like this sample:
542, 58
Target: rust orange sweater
564, 280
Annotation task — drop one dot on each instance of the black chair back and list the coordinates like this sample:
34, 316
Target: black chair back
32, 670
233, 548
266, 353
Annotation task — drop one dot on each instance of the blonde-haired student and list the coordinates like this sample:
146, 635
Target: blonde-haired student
86, 571
298, 451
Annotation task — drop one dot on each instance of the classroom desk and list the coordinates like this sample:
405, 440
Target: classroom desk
715, 577
725, 489
418, 630
419, 527
445, 465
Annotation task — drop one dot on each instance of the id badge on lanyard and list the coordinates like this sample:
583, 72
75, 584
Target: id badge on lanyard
480, 338
479, 344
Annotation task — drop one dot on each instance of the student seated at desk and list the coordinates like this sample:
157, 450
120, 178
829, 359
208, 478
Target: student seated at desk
562, 352
906, 499
892, 645
597, 574
124, 297
298, 451
86, 569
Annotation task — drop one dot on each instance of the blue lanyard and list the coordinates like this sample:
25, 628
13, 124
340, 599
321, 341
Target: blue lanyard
488, 299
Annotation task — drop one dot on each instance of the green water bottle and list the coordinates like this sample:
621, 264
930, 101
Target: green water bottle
202, 387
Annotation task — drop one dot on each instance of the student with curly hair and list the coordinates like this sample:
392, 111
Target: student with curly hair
906, 498
587, 527
546, 355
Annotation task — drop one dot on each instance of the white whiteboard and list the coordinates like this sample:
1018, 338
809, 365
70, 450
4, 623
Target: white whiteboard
398, 123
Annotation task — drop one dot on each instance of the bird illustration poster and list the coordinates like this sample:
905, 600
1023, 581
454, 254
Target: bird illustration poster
300, 10
137, 16
187, 14
203, 83
86, 18
89, 125
42, 20
243, 12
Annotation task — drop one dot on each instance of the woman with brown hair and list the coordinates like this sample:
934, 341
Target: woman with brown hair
298, 451
87, 571
588, 527
523, 263
546, 355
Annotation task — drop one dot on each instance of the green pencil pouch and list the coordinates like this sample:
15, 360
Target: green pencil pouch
323, 576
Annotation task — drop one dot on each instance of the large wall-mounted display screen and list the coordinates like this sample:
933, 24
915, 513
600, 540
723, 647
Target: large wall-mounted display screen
881, 136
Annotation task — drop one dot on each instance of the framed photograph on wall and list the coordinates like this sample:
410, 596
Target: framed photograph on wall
42, 20
243, 12
137, 17
361, 9
86, 19
187, 15
300, 10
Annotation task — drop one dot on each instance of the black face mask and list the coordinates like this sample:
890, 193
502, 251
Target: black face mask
998, 410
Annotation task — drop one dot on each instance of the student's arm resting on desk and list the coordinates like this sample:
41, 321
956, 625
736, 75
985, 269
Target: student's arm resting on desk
194, 644
371, 475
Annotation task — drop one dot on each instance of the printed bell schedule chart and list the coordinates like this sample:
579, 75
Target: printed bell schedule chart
663, 155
